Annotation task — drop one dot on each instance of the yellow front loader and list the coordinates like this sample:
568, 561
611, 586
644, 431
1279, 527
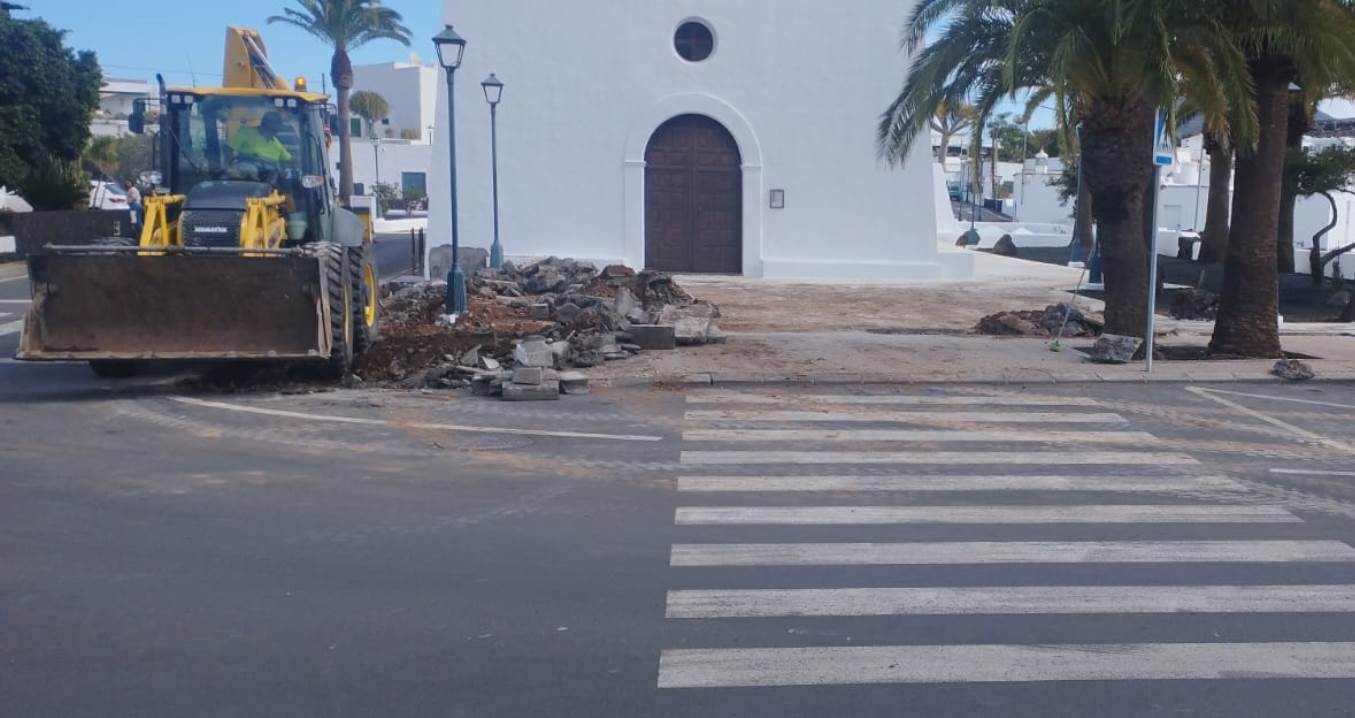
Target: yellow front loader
244, 253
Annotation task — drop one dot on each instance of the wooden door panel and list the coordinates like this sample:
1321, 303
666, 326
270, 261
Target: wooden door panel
693, 198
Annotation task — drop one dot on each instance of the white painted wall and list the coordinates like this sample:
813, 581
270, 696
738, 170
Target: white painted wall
799, 84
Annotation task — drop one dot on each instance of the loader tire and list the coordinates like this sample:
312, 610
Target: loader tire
366, 297
339, 286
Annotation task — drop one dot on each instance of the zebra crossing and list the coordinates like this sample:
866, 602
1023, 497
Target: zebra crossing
832, 490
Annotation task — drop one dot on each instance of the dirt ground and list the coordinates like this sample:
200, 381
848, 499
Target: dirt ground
762, 305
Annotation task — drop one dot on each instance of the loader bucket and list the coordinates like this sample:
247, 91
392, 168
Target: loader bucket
130, 306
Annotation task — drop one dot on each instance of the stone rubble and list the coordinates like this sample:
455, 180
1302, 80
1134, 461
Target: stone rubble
1036, 323
1293, 370
555, 315
1114, 349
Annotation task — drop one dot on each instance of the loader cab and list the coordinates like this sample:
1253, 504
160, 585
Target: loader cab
225, 146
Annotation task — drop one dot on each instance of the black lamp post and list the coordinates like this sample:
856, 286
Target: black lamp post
493, 94
451, 49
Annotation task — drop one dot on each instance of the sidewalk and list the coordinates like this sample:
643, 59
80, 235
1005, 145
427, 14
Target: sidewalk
919, 333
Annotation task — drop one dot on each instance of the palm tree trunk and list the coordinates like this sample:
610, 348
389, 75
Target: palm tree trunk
341, 71
1299, 121
1084, 219
1117, 157
1215, 239
1247, 323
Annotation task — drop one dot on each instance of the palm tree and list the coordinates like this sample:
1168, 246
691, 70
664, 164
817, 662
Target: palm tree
370, 106
1214, 238
345, 25
1120, 59
1284, 40
948, 121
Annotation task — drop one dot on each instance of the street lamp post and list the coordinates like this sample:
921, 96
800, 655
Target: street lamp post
451, 49
493, 94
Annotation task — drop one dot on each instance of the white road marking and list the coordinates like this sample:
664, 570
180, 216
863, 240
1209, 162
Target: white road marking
1297, 431
1311, 472
1136, 438
1128, 458
16, 301
1312, 402
1001, 600
712, 668
15, 278
887, 399
1008, 552
964, 417
410, 424
11, 328
1124, 484
892, 515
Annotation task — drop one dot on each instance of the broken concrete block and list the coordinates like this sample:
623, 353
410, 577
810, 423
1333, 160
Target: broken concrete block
626, 305
616, 355
528, 375
632, 348
653, 337
546, 391
471, 357
490, 363
573, 382
1292, 370
533, 351
690, 331
540, 312
560, 351
715, 336
1114, 349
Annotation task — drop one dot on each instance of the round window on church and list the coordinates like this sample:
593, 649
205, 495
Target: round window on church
694, 41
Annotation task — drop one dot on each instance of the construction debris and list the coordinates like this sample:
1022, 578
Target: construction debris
1292, 370
1035, 323
1114, 349
1191, 303
549, 316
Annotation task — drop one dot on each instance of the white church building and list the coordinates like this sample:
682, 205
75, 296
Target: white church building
702, 136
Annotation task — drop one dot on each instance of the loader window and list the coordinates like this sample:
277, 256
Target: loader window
250, 139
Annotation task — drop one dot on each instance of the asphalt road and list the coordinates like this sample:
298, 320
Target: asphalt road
1109, 550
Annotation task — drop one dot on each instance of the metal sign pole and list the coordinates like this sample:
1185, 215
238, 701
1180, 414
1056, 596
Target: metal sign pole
1152, 273
1164, 155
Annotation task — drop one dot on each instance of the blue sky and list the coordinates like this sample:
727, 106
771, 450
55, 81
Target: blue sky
137, 39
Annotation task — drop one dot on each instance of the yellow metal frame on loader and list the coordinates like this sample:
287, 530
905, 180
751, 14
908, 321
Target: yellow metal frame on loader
157, 230
263, 226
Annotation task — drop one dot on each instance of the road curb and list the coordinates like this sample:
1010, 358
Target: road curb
715, 379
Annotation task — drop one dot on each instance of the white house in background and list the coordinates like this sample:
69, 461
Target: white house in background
401, 153
116, 98
411, 90
692, 135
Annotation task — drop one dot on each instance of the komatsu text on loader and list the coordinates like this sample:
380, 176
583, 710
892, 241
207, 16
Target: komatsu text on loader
244, 253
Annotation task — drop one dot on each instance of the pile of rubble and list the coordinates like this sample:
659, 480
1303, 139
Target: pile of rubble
1035, 323
526, 328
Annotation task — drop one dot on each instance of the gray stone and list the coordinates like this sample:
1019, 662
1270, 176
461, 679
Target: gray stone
567, 313
715, 336
546, 391
472, 357
490, 363
540, 312
1114, 349
626, 305
528, 375
547, 279
573, 382
440, 260
587, 358
632, 348
560, 351
482, 386
1292, 370
1005, 247
691, 323
533, 352
690, 331
653, 337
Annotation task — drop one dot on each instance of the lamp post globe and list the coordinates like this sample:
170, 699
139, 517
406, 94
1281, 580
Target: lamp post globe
493, 95
451, 49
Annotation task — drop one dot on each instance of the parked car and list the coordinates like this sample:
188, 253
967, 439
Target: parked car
107, 195
956, 192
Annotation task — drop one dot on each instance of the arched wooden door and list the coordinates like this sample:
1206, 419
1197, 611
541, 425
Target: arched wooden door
693, 198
